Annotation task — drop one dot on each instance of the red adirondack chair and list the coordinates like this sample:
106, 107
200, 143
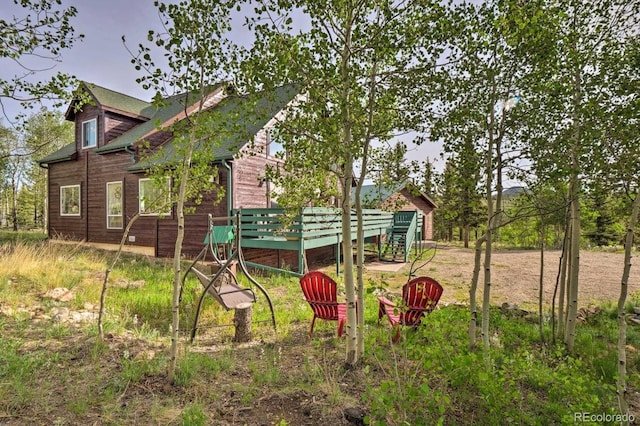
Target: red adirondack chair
419, 296
320, 290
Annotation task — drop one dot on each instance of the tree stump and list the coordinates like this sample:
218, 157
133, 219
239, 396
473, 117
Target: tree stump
242, 322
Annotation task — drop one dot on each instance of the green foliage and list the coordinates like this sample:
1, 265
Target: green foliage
16, 372
532, 208
459, 197
196, 367
21, 237
193, 415
265, 369
433, 376
38, 30
605, 224
25, 181
135, 370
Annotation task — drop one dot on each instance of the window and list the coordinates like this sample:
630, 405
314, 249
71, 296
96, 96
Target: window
70, 200
89, 134
274, 145
153, 199
114, 205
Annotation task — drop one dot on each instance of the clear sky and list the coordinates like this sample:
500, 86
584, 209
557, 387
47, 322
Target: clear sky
101, 58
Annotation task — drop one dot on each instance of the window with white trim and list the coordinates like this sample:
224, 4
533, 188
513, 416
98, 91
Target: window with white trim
70, 200
114, 205
89, 133
154, 200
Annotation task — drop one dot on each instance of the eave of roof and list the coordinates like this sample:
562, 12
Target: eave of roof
111, 100
66, 153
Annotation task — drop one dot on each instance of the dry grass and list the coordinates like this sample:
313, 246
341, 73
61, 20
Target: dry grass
28, 270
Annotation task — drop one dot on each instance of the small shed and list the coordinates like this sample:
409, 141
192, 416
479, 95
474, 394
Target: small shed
403, 197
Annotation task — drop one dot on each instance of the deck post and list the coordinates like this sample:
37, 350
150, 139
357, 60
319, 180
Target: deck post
301, 255
338, 254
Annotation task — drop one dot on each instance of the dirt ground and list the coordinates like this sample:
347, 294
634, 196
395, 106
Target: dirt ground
515, 276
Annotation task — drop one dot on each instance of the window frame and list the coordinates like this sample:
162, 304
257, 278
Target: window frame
95, 133
62, 199
108, 205
141, 198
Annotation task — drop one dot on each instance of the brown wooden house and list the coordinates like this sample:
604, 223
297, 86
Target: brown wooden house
97, 183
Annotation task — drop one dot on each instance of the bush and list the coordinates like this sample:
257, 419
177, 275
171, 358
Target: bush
518, 380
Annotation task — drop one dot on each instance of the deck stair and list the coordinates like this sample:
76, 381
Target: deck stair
401, 237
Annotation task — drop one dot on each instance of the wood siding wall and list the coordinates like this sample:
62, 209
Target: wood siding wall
116, 125
196, 225
250, 190
67, 227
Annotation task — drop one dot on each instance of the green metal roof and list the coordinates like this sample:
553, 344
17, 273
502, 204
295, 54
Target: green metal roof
236, 120
67, 152
373, 195
120, 101
173, 106
113, 101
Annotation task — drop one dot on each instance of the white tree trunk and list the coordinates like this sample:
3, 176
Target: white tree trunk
177, 260
473, 323
621, 385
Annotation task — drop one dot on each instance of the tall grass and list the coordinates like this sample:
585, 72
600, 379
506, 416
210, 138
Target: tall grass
28, 270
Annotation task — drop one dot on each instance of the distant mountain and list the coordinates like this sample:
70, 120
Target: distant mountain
513, 191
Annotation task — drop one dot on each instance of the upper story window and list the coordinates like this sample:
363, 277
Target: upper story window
89, 133
274, 145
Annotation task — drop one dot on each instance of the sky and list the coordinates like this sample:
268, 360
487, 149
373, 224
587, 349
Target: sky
102, 59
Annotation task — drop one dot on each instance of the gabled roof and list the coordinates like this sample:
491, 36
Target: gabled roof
113, 101
376, 195
66, 153
172, 107
236, 119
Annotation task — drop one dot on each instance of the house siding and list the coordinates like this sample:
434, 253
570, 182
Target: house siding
116, 125
66, 227
250, 188
103, 169
196, 225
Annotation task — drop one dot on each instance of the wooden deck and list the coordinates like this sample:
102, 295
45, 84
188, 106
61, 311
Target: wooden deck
315, 227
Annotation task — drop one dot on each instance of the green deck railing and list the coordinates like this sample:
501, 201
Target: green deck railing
411, 235
403, 234
313, 227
